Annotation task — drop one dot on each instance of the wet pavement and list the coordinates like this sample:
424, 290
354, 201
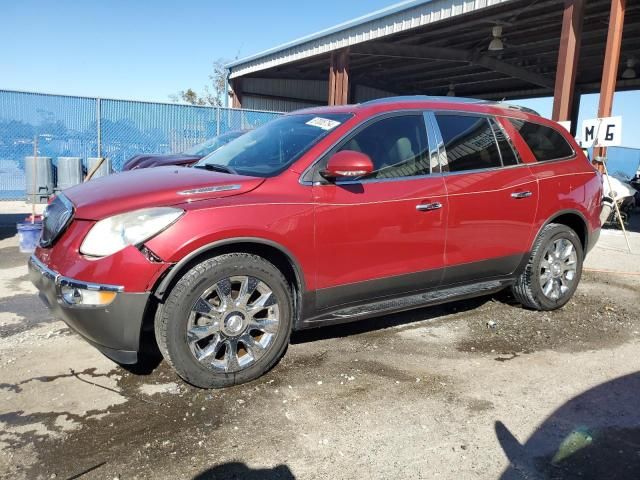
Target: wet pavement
474, 389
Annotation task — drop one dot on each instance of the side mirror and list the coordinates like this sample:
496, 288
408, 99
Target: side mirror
348, 163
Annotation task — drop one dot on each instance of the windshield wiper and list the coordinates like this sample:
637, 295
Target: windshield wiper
216, 168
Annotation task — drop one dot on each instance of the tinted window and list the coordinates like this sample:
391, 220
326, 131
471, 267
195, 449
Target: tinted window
468, 141
544, 142
270, 149
506, 151
397, 146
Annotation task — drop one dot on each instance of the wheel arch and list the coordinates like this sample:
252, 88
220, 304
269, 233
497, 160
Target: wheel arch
575, 220
280, 256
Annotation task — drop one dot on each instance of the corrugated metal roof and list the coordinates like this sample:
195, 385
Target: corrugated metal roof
394, 19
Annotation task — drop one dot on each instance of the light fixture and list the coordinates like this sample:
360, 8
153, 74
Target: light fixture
452, 91
630, 71
496, 43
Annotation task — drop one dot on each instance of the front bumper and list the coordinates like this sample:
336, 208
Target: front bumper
113, 329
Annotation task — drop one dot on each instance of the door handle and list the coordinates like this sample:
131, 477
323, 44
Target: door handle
518, 195
426, 207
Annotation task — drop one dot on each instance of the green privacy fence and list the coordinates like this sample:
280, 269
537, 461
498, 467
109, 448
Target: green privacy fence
66, 126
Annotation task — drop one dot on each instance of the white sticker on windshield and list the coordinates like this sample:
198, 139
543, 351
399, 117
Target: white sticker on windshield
323, 123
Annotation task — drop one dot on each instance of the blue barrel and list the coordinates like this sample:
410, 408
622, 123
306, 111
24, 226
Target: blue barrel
103, 171
39, 176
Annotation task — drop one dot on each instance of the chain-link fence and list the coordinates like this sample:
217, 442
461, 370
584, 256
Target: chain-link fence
64, 126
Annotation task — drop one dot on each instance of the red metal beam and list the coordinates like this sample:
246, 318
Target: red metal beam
611, 61
236, 85
568, 56
339, 78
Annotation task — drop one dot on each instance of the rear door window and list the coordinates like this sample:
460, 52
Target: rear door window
545, 143
469, 142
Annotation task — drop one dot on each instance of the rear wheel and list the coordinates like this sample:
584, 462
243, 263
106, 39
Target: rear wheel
551, 277
227, 321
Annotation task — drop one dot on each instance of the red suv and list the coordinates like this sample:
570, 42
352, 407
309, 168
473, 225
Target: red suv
322, 216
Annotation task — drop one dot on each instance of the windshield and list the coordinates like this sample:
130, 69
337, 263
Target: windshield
273, 147
212, 145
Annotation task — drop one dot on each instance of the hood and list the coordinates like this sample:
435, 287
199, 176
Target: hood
162, 186
156, 160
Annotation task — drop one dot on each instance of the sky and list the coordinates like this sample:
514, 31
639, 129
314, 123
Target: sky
150, 49
147, 49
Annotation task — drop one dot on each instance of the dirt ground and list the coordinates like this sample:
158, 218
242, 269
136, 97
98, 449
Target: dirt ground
475, 389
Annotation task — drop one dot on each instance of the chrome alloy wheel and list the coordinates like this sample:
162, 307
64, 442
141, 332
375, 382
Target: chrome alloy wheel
558, 268
233, 323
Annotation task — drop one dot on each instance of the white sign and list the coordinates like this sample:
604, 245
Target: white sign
323, 123
566, 124
602, 132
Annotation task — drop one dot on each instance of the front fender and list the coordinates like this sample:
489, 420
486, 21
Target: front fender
287, 227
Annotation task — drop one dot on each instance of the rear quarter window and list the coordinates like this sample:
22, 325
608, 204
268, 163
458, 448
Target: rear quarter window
545, 143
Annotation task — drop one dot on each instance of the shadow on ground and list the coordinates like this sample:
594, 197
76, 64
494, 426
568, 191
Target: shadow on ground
8, 223
7, 232
394, 320
594, 435
239, 471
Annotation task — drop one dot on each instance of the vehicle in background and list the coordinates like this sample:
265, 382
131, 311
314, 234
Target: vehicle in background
635, 183
621, 193
184, 159
322, 216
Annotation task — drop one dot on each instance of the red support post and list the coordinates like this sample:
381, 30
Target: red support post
611, 61
339, 78
236, 84
568, 55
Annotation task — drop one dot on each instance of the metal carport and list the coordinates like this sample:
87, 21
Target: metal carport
440, 47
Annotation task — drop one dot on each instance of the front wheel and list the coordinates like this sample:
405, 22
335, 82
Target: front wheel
554, 269
227, 321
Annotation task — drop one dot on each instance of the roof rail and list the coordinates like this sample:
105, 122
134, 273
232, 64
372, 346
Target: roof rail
435, 98
517, 107
430, 98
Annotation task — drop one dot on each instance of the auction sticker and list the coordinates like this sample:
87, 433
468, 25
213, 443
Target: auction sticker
323, 123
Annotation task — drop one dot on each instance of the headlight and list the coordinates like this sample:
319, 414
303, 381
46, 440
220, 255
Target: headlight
112, 234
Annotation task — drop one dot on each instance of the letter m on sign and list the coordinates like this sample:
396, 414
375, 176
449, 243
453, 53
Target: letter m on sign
589, 133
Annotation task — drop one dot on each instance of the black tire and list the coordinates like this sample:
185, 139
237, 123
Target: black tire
172, 318
527, 289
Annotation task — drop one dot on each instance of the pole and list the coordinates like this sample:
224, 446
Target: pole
35, 174
568, 55
610, 67
218, 120
99, 125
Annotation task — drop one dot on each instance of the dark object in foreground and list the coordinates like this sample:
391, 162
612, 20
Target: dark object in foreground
594, 435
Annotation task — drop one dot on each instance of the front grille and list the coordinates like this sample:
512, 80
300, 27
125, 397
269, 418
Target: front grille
57, 216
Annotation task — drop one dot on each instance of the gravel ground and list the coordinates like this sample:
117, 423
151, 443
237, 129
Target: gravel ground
474, 389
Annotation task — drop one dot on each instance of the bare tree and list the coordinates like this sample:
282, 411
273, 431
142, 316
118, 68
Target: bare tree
212, 94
